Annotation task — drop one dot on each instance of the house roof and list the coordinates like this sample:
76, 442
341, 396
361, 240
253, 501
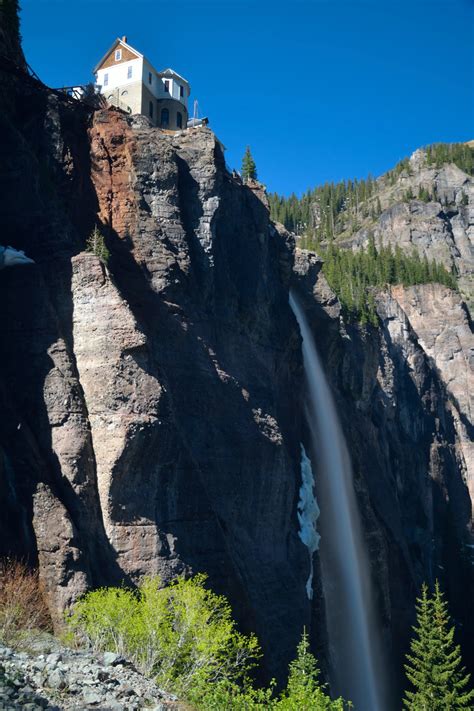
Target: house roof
171, 73
118, 41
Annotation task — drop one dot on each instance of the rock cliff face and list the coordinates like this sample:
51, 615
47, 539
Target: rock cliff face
152, 409
150, 424
440, 229
404, 400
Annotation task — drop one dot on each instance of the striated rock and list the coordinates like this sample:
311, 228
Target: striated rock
441, 229
443, 327
406, 437
63, 570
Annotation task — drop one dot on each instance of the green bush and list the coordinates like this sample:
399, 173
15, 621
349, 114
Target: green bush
182, 634
304, 691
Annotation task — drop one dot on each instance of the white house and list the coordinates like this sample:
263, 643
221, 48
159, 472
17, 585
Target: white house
128, 80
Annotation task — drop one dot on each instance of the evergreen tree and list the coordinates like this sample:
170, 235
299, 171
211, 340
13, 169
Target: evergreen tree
249, 169
434, 667
96, 245
304, 691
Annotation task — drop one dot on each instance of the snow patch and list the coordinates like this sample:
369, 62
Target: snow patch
10, 257
308, 514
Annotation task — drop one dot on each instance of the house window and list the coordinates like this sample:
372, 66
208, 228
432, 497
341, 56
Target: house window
150, 78
106, 79
150, 109
118, 55
129, 72
165, 118
181, 90
167, 85
179, 120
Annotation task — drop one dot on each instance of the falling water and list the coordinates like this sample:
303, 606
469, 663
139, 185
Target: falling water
353, 648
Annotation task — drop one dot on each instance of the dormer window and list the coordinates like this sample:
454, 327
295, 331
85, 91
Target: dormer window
129, 72
167, 85
118, 55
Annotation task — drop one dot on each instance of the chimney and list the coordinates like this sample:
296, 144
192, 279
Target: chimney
124, 39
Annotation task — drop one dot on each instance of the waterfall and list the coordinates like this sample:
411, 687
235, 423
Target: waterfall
354, 651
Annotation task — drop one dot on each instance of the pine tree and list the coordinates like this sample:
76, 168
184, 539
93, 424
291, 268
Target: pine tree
434, 667
96, 245
249, 169
304, 691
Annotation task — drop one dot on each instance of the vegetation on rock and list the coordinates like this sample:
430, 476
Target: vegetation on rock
183, 635
96, 245
333, 209
461, 154
249, 169
22, 603
352, 274
434, 668
316, 213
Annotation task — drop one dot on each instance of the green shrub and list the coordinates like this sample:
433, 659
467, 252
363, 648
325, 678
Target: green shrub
225, 695
182, 634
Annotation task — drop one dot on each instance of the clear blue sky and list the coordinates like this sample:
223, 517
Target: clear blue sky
320, 89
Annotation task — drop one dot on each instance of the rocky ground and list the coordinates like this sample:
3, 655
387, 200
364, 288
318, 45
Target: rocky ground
53, 677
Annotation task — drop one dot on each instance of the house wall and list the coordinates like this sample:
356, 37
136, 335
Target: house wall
118, 74
127, 97
173, 107
127, 55
146, 98
157, 86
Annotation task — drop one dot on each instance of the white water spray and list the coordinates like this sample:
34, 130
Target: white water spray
354, 651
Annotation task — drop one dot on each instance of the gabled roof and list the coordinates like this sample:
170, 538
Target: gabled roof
171, 73
118, 41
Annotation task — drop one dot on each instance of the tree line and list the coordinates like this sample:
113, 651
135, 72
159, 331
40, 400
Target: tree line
353, 275
319, 211
328, 210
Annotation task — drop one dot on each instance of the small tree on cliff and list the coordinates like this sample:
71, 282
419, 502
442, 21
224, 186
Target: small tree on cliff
249, 169
96, 245
434, 667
